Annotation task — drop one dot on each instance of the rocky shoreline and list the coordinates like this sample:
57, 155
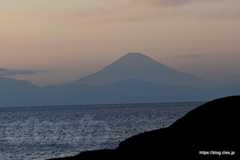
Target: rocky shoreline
209, 132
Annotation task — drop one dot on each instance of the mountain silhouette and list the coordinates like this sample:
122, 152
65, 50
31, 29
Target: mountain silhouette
139, 67
133, 78
17, 92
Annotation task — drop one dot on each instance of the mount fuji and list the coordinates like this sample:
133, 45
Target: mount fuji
133, 78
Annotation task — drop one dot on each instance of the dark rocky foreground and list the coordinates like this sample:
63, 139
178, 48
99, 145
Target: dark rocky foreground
210, 132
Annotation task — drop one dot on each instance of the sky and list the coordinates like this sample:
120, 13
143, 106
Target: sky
55, 41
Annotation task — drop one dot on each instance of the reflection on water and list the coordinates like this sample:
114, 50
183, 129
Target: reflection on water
37, 133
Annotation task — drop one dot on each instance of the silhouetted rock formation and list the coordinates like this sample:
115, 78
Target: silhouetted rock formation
213, 126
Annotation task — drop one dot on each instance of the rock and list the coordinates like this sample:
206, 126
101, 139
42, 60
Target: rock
209, 132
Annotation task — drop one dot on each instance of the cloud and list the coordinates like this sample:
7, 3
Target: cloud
13, 72
191, 56
196, 8
141, 10
166, 2
74, 12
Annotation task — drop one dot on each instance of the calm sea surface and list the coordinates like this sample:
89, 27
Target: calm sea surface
39, 133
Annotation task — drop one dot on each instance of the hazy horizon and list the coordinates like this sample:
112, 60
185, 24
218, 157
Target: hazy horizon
51, 42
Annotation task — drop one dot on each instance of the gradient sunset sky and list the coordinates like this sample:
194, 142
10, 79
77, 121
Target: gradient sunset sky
62, 40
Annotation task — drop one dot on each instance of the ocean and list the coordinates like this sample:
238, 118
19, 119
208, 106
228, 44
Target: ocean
39, 133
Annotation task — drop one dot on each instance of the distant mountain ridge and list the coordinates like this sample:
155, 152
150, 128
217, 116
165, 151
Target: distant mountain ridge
133, 78
140, 67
